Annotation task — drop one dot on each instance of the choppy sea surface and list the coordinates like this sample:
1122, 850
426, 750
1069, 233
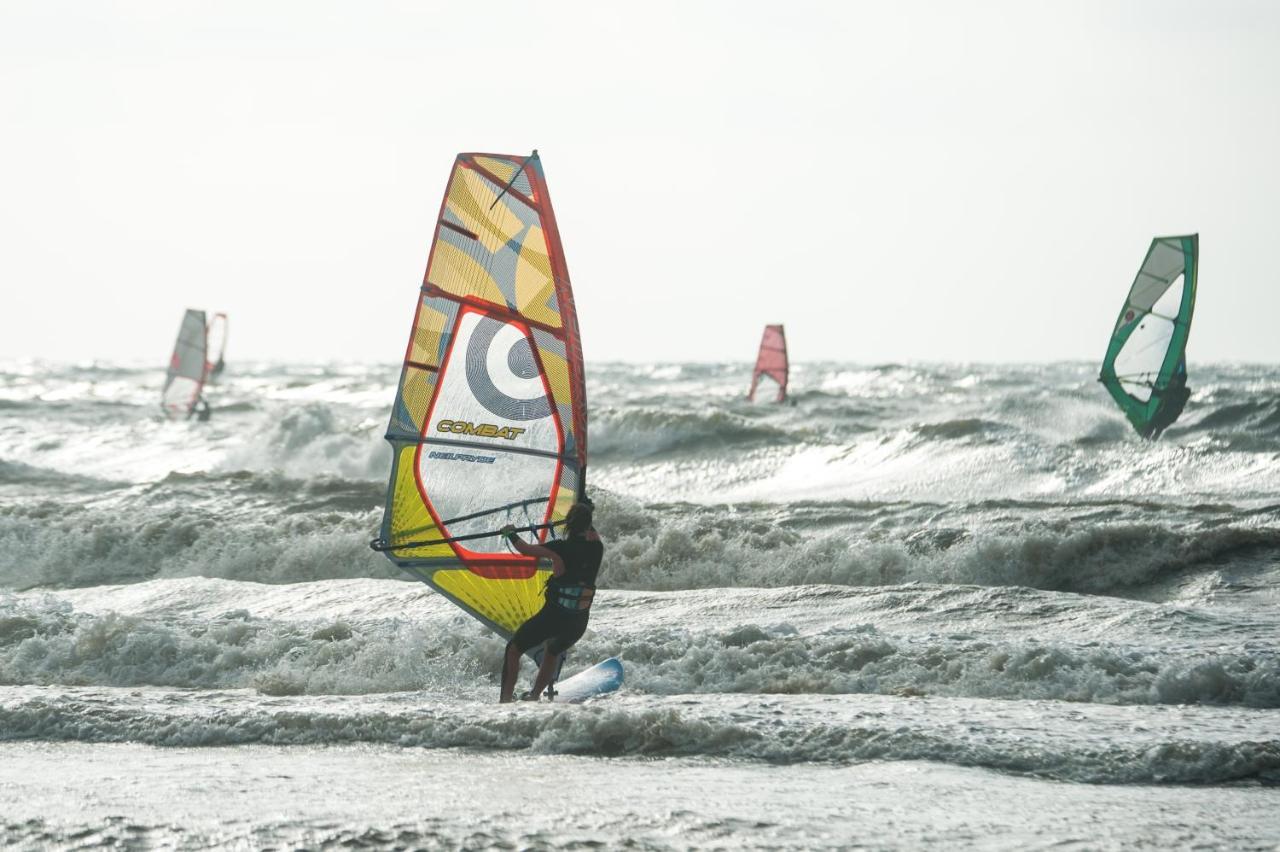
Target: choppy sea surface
951, 605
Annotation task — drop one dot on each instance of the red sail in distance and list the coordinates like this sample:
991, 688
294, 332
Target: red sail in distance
772, 361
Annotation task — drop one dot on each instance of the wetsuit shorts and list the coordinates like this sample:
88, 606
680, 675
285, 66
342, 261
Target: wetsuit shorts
554, 624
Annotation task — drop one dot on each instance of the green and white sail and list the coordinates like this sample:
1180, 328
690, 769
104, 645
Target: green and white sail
1145, 367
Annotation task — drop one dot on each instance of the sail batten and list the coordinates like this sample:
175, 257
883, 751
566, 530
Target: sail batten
1144, 368
489, 423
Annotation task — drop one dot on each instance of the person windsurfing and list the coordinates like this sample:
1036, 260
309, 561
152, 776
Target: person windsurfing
575, 562
200, 409
1172, 400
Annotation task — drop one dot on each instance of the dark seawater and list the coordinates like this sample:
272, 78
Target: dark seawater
968, 584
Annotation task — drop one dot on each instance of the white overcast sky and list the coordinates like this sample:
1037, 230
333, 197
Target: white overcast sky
893, 180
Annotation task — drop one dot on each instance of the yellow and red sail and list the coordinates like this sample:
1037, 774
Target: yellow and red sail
490, 420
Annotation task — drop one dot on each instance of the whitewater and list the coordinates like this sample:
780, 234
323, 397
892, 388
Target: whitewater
924, 604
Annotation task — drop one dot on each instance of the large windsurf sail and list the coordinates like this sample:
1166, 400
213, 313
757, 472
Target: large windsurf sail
771, 361
1145, 367
188, 368
489, 425
216, 345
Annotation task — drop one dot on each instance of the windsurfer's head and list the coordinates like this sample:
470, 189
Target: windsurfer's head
578, 520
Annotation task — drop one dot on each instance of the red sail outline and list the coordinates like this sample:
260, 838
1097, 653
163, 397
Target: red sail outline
495, 566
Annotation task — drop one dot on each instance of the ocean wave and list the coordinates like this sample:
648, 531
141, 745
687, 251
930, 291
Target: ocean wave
1255, 415
287, 531
775, 731
641, 433
1233, 425
246, 491
687, 547
965, 427
314, 439
752, 659
20, 474
267, 527
46, 641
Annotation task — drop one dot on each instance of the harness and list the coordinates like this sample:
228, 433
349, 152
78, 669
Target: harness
575, 598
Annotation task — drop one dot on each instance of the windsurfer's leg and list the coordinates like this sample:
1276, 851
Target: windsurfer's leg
547, 671
569, 632
510, 669
535, 631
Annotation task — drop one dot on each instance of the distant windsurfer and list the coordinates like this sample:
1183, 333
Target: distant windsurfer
200, 410
1172, 400
575, 562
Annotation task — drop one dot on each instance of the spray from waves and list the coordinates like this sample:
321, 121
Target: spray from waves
313, 439
875, 544
261, 527
776, 732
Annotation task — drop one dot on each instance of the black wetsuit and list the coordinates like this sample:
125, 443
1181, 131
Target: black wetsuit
563, 618
1172, 400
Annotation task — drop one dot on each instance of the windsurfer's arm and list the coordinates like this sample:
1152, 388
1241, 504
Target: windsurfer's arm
535, 550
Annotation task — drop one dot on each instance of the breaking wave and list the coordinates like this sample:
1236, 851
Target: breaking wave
270, 528
687, 547
262, 527
418, 641
774, 733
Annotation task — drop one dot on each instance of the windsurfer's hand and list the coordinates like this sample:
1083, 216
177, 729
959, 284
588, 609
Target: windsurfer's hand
508, 532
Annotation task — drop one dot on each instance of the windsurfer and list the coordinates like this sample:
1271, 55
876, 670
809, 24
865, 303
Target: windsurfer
575, 562
1172, 400
201, 410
